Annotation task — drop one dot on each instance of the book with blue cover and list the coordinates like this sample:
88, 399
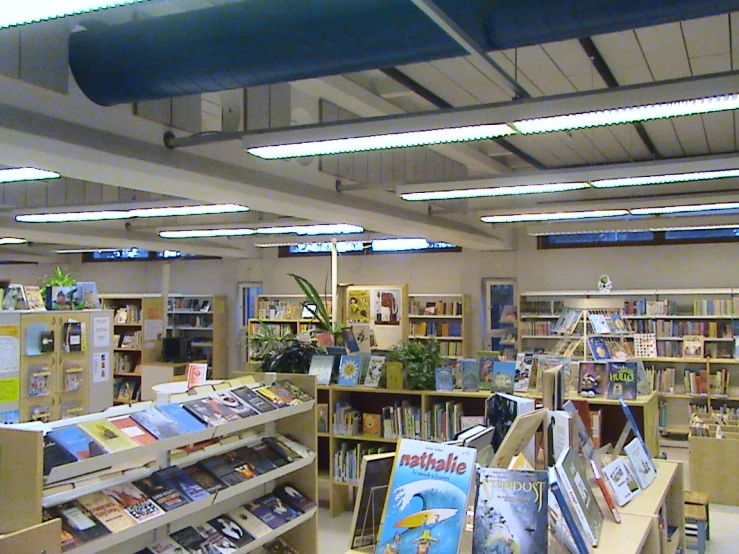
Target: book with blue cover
599, 348
622, 380
350, 368
265, 513
485, 360
470, 374
75, 441
427, 498
572, 526
165, 495
226, 526
279, 507
158, 424
175, 477
511, 511
294, 498
444, 378
504, 376
177, 413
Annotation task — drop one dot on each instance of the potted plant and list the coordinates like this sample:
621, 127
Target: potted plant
59, 278
314, 304
280, 352
420, 360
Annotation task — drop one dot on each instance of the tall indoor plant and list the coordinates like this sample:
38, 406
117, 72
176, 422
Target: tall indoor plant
315, 305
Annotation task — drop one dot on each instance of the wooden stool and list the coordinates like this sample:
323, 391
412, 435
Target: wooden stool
701, 499
697, 514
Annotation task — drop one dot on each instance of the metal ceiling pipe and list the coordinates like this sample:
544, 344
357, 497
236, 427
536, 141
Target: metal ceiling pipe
259, 42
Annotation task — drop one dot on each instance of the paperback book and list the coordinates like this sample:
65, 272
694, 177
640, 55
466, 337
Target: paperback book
133, 430
574, 483
249, 522
322, 367
79, 523
599, 348
253, 399
279, 395
226, 526
55, 455
504, 376
215, 542
140, 507
511, 512
182, 417
175, 477
158, 424
203, 478
210, 411
622, 380
349, 369
374, 371
470, 374
107, 511
524, 360
265, 513
485, 361
110, 437
219, 468
599, 323
560, 499
190, 539
444, 379
640, 460
234, 403
621, 478
75, 441
167, 497
500, 411
294, 498
427, 499
271, 454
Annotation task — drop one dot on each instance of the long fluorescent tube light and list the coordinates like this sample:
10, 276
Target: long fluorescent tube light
495, 191
318, 229
552, 216
664, 179
12, 240
15, 174
382, 142
106, 215
32, 11
619, 116
693, 208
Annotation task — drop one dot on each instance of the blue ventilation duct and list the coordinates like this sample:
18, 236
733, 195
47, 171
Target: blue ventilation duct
258, 42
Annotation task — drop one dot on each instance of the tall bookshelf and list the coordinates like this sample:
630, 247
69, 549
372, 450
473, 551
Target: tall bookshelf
138, 327
445, 317
204, 320
24, 491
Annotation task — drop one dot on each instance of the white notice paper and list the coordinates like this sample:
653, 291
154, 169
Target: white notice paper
100, 367
100, 332
153, 329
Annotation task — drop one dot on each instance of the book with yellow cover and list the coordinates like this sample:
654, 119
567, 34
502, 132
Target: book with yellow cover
107, 511
107, 435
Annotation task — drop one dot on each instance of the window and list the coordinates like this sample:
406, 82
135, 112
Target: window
379, 246
135, 254
500, 315
637, 238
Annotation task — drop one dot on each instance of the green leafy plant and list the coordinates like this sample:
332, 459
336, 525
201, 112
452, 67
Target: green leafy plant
314, 303
59, 278
420, 360
280, 352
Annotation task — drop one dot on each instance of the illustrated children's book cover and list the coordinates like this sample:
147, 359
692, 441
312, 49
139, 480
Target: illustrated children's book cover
427, 500
504, 376
593, 379
374, 372
524, 360
322, 366
470, 374
349, 370
444, 378
485, 360
510, 511
622, 380
599, 348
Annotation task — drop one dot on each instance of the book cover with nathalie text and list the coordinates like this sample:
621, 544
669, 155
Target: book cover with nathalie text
427, 500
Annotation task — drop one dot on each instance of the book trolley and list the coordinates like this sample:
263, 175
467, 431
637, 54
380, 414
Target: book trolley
25, 492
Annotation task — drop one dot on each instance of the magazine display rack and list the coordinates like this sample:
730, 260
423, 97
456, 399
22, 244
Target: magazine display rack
23, 490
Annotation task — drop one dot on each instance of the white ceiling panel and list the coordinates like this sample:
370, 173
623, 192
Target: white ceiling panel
624, 57
586, 145
606, 142
536, 150
719, 131
471, 79
691, 134
664, 137
563, 150
630, 141
587, 82
664, 49
711, 64
545, 74
430, 77
506, 59
707, 36
575, 64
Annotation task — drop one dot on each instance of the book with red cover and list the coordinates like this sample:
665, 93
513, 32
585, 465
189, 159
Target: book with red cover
133, 430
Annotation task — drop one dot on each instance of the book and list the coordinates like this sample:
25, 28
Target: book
567, 515
165, 546
55, 455
140, 507
229, 528
175, 477
511, 511
279, 546
427, 497
133, 430
190, 539
79, 523
239, 464
322, 367
501, 410
34, 299
15, 297
692, 346
593, 379
600, 323
202, 477
269, 453
574, 483
265, 513
110, 437
349, 370
599, 348
504, 376
570, 321
485, 361
234, 403
107, 511
558, 433
75, 441
443, 378
294, 498
210, 411
215, 541
322, 418
167, 497
257, 461
637, 432
249, 522
288, 442
618, 324
605, 491
182, 417
622, 380
394, 375
85, 295
621, 478
350, 341
374, 371
372, 424
470, 375
292, 389
641, 462
158, 424
284, 450
524, 361
39, 381
196, 374
219, 468
279, 395
255, 400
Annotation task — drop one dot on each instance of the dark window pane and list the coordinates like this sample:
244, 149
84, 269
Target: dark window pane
702, 234
611, 237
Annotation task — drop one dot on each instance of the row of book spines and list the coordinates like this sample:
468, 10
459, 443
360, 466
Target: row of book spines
279, 328
439, 307
436, 329
444, 421
710, 329
122, 363
536, 328
401, 420
130, 313
451, 349
716, 306
348, 460
129, 339
541, 307
190, 304
190, 320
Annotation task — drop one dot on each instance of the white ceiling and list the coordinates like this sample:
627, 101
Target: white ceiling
110, 156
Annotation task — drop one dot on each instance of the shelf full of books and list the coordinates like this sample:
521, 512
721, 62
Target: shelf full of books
234, 468
203, 320
56, 364
444, 316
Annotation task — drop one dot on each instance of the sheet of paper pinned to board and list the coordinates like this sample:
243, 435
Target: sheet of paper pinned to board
10, 349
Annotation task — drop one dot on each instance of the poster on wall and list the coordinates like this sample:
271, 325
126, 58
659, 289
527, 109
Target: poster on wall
386, 306
359, 306
10, 345
100, 367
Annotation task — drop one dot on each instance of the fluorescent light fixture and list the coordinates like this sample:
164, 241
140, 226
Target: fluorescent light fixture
14, 174
106, 215
664, 179
692, 208
32, 11
402, 245
318, 229
12, 240
496, 191
552, 216
381, 142
619, 116
75, 250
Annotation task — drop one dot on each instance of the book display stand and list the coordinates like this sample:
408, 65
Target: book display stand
25, 491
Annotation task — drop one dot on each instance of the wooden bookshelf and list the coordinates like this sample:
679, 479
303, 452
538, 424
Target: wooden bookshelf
23, 490
445, 317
